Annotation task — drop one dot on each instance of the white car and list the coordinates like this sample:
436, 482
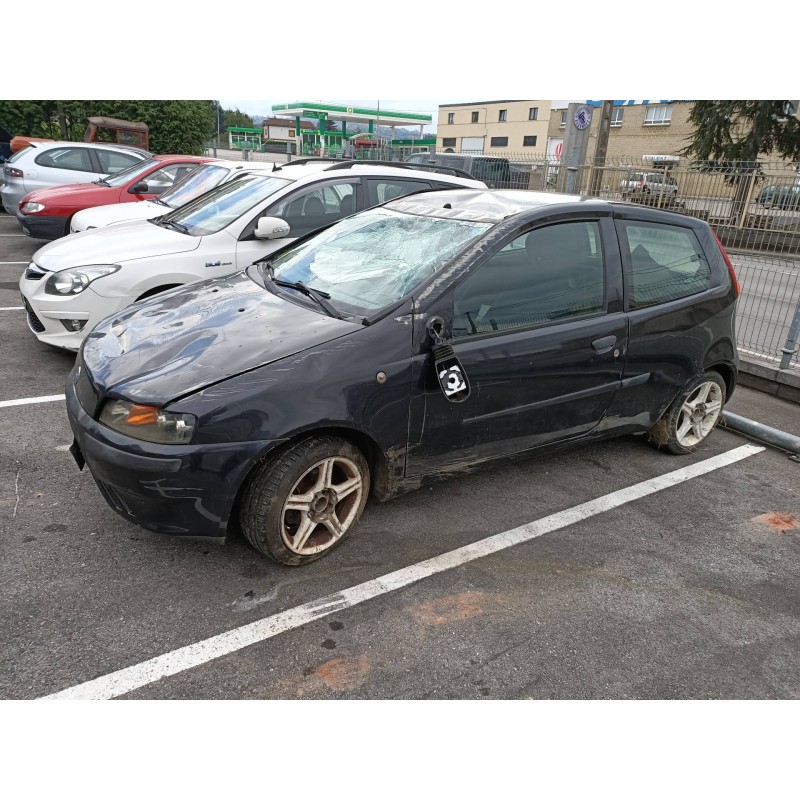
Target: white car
74, 282
41, 165
201, 180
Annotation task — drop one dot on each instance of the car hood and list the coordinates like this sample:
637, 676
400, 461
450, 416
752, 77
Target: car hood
179, 342
77, 192
115, 244
100, 216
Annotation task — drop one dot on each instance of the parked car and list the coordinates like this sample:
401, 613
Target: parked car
47, 213
411, 341
202, 179
494, 171
638, 184
45, 164
74, 282
783, 196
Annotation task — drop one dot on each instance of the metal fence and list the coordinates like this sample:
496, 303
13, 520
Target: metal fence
754, 208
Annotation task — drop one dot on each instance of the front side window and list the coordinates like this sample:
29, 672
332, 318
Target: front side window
220, 207
74, 158
658, 115
666, 263
313, 208
112, 162
550, 274
377, 257
163, 179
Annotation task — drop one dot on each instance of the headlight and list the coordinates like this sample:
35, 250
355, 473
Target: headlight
31, 208
74, 281
148, 422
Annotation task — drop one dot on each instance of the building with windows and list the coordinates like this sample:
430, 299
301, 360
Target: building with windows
517, 126
638, 127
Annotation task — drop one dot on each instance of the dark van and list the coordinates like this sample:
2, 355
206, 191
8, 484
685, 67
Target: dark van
493, 171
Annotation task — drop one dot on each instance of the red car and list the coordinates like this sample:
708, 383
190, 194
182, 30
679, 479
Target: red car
46, 213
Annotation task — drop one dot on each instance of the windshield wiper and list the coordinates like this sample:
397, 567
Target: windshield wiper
315, 294
177, 225
102, 182
161, 202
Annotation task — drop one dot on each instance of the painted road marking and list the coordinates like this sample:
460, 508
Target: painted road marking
13, 308
48, 398
17, 263
130, 678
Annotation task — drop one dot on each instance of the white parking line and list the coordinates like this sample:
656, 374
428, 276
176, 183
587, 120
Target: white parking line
13, 308
24, 401
127, 680
12, 234
15, 263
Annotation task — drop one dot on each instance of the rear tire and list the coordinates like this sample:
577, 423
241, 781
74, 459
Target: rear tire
302, 503
693, 415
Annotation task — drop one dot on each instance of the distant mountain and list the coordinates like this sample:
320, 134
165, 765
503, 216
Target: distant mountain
257, 121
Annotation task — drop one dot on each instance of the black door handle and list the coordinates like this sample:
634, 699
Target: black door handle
605, 344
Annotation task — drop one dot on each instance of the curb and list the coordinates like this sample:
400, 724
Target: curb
768, 378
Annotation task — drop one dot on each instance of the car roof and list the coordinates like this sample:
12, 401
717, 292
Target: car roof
39, 146
316, 169
177, 157
480, 205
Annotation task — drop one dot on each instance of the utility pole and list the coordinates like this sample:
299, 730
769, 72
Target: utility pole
602, 147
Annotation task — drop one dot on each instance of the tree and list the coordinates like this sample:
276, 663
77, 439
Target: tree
730, 135
176, 126
233, 118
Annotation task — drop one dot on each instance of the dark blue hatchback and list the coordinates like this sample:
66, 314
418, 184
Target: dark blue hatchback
432, 334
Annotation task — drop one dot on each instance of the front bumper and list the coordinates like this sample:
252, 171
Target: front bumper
42, 227
181, 490
45, 312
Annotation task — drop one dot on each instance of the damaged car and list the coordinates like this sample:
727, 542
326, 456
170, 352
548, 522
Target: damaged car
418, 339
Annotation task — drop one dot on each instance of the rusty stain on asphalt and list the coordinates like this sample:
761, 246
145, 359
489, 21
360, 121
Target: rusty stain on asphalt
449, 609
779, 521
343, 674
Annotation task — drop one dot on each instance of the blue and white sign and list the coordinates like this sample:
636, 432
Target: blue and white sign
583, 117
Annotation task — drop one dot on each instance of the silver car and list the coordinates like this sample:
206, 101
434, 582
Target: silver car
639, 184
44, 164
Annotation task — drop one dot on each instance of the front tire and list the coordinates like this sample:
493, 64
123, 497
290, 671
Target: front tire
688, 422
302, 503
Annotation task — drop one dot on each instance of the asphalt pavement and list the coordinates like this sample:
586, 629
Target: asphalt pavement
691, 591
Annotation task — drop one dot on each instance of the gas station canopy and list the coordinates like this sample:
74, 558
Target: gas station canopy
351, 114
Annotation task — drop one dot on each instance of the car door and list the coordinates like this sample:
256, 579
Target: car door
540, 334
305, 209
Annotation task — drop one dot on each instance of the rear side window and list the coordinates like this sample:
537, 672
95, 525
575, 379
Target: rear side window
666, 263
76, 158
381, 190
